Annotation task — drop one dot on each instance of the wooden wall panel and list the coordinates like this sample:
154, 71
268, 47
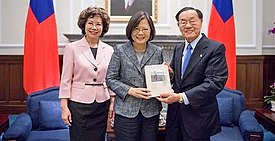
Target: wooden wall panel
12, 95
254, 75
2, 82
241, 76
249, 69
16, 83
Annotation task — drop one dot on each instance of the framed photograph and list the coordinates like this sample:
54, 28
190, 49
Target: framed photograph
157, 79
122, 10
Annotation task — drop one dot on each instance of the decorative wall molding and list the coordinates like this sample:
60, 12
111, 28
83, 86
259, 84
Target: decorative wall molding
269, 46
164, 41
18, 49
71, 19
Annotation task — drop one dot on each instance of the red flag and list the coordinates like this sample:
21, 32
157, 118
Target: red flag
221, 28
41, 61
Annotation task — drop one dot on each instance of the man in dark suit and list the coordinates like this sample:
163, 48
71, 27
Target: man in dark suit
193, 111
129, 7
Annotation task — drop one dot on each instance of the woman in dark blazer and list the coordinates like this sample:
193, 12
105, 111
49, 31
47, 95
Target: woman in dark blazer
136, 114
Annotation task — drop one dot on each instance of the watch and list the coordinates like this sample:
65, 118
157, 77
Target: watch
181, 99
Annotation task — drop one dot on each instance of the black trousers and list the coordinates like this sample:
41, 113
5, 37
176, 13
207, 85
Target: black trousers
177, 132
138, 128
89, 121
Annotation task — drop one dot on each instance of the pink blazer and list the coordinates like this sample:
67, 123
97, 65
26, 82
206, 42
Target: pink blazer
80, 68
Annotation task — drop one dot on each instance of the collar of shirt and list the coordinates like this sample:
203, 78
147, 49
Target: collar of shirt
193, 43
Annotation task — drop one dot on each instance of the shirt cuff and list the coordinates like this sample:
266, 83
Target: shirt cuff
185, 99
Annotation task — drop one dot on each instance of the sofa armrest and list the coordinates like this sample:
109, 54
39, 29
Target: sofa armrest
19, 129
249, 126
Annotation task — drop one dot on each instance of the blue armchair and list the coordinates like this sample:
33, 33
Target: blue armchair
238, 124
42, 120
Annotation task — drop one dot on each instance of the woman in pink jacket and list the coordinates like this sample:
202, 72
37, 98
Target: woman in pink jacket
85, 98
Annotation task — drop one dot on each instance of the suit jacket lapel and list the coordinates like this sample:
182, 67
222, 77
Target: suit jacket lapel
148, 54
178, 59
101, 52
197, 55
87, 51
129, 51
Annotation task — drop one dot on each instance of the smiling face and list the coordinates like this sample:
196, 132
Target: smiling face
93, 27
141, 33
190, 25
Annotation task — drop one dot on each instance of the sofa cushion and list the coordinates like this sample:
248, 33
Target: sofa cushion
226, 111
228, 134
238, 102
50, 115
249, 124
33, 103
49, 135
20, 128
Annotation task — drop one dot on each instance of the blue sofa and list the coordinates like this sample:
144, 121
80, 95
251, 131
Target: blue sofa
238, 124
42, 120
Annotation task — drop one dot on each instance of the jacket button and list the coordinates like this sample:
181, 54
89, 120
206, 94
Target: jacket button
94, 79
95, 69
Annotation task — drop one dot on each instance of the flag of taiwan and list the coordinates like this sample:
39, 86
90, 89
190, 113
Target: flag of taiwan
221, 28
41, 61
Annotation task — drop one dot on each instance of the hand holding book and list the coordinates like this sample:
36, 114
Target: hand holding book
157, 79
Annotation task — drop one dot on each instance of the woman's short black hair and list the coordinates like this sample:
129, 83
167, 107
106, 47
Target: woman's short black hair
189, 8
135, 20
90, 12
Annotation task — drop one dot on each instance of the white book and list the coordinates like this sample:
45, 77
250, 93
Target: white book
157, 79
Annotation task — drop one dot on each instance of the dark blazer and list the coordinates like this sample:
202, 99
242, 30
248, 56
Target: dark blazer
204, 78
118, 9
125, 71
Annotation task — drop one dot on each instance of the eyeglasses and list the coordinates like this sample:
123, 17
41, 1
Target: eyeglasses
191, 22
144, 30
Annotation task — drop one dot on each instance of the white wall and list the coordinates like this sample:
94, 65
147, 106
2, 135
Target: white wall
253, 18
